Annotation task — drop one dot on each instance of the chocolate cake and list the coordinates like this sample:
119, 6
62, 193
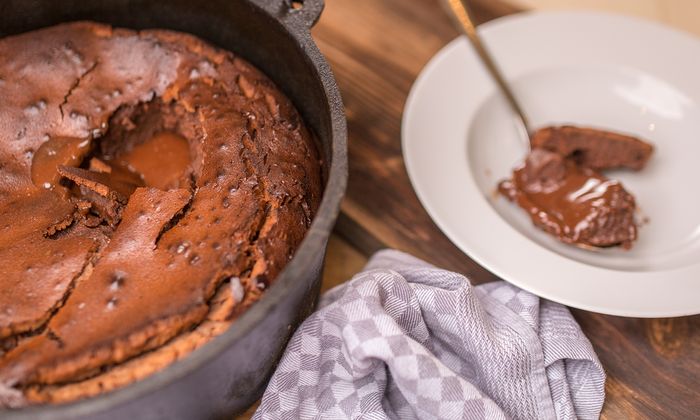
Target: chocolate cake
592, 148
572, 202
560, 187
151, 188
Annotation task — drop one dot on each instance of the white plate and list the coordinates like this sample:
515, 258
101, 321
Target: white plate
589, 69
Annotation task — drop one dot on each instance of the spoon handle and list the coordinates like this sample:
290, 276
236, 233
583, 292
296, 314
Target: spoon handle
463, 17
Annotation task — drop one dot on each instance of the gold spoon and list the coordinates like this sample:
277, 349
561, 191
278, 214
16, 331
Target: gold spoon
462, 16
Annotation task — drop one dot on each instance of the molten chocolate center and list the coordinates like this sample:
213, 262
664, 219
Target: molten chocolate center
160, 161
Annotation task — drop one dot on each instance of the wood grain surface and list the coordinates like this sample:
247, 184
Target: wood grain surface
376, 49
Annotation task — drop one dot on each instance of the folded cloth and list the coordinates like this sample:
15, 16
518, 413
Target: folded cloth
406, 340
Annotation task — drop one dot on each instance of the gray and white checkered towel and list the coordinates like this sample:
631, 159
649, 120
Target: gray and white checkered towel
405, 340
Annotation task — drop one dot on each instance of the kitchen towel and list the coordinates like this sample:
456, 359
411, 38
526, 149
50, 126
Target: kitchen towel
406, 340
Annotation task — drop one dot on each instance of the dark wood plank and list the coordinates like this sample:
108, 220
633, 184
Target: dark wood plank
376, 49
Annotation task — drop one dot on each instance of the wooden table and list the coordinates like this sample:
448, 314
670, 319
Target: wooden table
376, 49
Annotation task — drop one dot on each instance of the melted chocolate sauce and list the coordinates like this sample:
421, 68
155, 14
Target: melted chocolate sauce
574, 203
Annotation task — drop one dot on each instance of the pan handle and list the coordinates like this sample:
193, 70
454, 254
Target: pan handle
293, 12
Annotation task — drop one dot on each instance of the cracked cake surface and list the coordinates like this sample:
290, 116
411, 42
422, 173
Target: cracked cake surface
151, 187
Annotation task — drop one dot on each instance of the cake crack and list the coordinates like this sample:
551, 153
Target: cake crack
53, 311
74, 86
181, 214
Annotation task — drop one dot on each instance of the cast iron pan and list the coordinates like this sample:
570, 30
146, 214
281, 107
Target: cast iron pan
229, 373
